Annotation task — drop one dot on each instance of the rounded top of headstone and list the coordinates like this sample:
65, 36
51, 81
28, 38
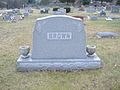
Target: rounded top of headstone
59, 16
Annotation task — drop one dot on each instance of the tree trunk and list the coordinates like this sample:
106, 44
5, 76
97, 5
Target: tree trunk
77, 3
114, 2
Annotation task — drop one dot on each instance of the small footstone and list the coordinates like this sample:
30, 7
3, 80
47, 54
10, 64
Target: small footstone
106, 34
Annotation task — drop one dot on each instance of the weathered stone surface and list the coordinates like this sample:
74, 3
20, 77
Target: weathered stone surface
59, 37
91, 9
59, 43
106, 34
115, 9
58, 64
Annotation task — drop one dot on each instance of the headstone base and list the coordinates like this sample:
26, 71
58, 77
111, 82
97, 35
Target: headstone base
29, 64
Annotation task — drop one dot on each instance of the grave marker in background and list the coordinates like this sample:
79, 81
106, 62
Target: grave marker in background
115, 9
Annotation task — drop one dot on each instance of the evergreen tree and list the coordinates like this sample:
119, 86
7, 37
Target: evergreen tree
118, 2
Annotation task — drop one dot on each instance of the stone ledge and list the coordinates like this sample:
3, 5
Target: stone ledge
30, 64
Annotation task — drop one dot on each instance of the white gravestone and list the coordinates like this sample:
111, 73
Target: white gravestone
26, 12
59, 43
62, 10
91, 9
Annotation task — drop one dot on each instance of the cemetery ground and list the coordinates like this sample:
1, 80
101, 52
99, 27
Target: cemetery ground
13, 35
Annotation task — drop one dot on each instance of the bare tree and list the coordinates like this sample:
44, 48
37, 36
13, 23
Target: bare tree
77, 3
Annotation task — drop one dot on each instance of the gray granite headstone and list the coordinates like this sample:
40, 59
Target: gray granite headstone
26, 12
91, 9
106, 34
100, 9
64, 37
93, 17
9, 16
59, 43
115, 9
102, 13
44, 10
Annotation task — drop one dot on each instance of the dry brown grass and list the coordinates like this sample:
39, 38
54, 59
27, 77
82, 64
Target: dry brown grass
12, 35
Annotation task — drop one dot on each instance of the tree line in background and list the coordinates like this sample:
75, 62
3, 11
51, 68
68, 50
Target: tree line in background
84, 2
21, 3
